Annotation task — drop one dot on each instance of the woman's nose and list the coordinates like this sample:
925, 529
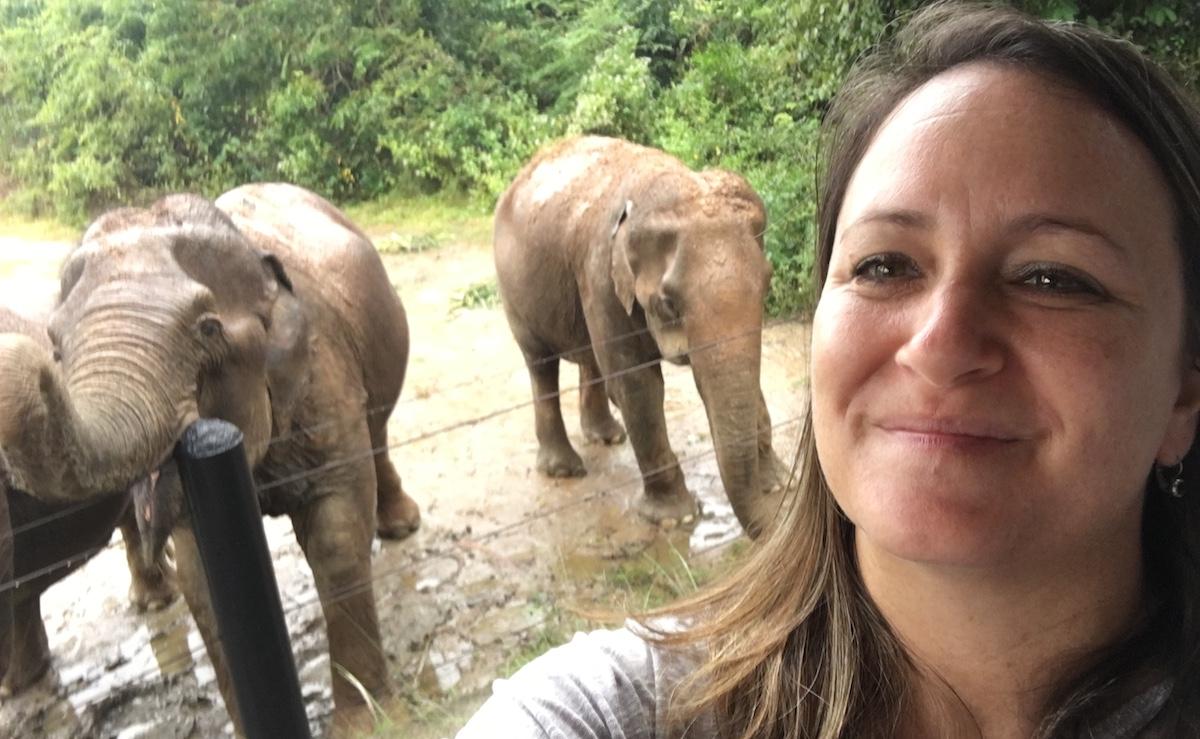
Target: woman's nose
953, 339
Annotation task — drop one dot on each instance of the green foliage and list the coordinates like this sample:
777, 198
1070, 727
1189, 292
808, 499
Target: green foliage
107, 102
395, 243
439, 217
615, 95
1169, 30
479, 295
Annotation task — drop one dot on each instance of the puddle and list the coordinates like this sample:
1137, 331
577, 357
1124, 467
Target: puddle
499, 550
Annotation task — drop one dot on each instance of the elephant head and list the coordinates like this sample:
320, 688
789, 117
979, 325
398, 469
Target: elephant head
687, 254
165, 315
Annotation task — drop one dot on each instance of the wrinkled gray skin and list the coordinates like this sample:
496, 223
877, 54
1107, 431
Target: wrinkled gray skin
604, 243
269, 310
55, 539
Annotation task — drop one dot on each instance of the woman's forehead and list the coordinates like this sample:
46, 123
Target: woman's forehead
1012, 142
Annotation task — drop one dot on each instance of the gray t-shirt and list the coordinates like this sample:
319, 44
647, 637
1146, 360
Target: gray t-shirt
612, 685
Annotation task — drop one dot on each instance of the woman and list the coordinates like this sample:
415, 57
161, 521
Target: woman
995, 532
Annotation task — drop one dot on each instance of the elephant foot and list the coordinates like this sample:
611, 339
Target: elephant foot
29, 658
29, 664
16, 680
397, 516
669, 511
608, 431
153, 590
560, 463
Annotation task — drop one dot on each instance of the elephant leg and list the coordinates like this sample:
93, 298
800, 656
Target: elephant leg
596, 417
665, 498
30, 653
194, 584
556, 457
337, 543
151, 586
396, 514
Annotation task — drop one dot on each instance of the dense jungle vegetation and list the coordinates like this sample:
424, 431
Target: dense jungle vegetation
107, 102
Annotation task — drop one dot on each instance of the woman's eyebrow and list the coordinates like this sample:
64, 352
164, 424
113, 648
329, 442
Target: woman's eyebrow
1026, 224
1035, 222
893, 216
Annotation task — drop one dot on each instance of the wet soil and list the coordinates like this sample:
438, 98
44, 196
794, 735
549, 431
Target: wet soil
502, 551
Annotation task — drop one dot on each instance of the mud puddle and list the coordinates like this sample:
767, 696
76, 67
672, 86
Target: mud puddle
500, 553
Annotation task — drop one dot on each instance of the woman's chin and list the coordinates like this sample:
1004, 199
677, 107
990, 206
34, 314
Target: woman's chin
938, 540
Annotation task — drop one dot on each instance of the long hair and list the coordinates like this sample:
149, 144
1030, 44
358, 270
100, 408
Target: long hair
792, 645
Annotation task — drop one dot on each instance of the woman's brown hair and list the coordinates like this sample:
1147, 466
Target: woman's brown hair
793, 646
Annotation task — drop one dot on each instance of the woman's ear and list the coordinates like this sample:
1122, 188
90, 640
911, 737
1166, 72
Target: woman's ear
1181, 428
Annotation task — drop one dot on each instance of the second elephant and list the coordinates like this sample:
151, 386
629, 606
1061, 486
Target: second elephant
612, 256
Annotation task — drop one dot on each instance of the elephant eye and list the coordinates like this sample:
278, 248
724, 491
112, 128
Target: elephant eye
667, 308
670, 312
210, 326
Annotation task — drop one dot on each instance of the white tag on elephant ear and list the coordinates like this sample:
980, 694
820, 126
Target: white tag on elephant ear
621, 218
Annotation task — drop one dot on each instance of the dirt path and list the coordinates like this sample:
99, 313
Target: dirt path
500, 550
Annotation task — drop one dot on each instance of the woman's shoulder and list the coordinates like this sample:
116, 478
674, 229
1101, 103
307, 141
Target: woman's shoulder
613, 682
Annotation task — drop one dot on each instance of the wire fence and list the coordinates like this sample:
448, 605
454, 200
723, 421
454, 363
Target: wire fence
460, 547
72, 508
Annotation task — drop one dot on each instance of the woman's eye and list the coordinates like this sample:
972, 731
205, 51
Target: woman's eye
885, 267
1058, 280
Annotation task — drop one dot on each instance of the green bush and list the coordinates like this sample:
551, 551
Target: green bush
113, 101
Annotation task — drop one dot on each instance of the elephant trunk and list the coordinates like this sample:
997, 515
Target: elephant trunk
110, 415
726, 370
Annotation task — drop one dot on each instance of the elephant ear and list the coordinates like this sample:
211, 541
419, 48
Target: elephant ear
622, 272
275, 270
287, 345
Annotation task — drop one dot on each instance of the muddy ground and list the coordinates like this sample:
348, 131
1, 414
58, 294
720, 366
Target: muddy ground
501, 556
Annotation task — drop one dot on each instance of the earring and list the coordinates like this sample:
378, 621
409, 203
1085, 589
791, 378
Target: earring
1170, 478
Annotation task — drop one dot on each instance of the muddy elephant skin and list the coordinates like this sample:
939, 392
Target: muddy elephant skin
50, 541
266, 308
604, 244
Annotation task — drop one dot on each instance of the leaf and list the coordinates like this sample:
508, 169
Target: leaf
1062, 10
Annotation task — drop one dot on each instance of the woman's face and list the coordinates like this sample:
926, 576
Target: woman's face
998, 351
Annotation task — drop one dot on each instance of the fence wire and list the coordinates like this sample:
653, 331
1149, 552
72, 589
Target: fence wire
153, 675
368, 411
475, 380
115, 542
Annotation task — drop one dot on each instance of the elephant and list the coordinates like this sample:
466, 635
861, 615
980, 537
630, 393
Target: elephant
266, 308
41, 543
614, 256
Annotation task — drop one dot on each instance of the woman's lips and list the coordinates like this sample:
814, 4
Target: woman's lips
950, 432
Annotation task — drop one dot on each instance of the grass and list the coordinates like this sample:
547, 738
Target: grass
36, 229
479, 295
408, 223
648, 580
651, 581
403, 223
398, 243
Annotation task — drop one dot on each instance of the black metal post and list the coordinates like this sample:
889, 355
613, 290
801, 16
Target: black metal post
233, 548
